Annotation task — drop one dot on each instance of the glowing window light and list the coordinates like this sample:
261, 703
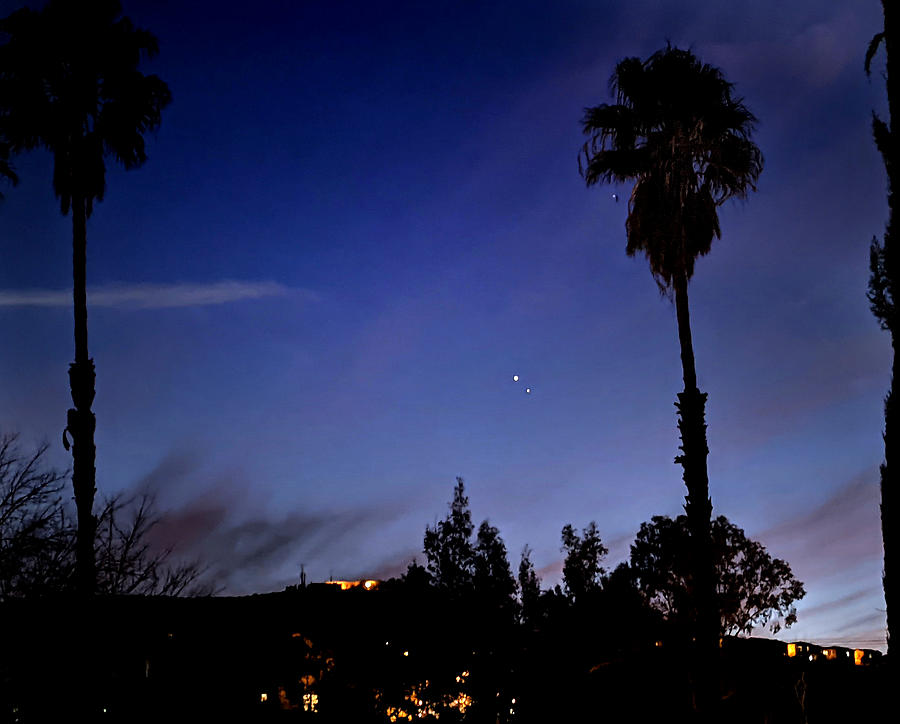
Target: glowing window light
264, 697
462, 702
792, 650
858, 656
310, 702
829, 654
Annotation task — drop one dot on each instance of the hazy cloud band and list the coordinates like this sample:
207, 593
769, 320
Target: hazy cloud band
154, 296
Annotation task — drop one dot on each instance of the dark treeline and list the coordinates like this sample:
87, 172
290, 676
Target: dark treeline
465, 637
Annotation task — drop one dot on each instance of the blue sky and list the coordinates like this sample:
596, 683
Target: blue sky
359, 221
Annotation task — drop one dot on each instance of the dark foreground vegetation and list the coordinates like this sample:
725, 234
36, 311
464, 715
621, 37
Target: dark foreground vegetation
458, 639
322, 654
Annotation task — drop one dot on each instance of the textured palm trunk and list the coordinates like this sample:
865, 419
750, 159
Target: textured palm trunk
691, 407
81, 421
890, 485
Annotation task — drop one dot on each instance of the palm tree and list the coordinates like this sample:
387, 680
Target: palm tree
71, 85
680, 135
884, 284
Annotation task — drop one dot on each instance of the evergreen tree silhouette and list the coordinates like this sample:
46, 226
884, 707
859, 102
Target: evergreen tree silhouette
448, 546
493, 580
582, 569
529, 587
884, 262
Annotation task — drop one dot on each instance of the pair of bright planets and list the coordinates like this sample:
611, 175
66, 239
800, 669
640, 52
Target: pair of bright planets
527, 389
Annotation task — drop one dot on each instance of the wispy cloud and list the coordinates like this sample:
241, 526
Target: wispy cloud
246, 548
839, 535
155, 296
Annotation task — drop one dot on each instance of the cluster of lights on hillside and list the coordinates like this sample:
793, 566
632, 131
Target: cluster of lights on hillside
368, 585
800, 650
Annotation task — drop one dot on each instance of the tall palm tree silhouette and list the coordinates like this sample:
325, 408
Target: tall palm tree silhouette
72, 85
680, 135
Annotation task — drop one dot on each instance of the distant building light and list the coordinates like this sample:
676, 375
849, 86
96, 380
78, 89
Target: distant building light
406, 653
264, 697
368, 584
310, 702
858, 656
792, 650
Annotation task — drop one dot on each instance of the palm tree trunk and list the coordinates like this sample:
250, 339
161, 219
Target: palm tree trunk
81, 421
691, 407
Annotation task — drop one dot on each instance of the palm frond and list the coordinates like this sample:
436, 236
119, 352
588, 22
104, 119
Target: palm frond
70, 81
679, 133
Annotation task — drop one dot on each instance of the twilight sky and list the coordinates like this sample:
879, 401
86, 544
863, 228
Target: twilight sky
360, 220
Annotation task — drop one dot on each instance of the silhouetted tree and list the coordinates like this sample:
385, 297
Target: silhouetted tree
529, 587
493, 579
416, 577
752, 588
127, 563
680, 135
884, 263
71, 85
582, 569
35, 540
448, 545
37, 537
